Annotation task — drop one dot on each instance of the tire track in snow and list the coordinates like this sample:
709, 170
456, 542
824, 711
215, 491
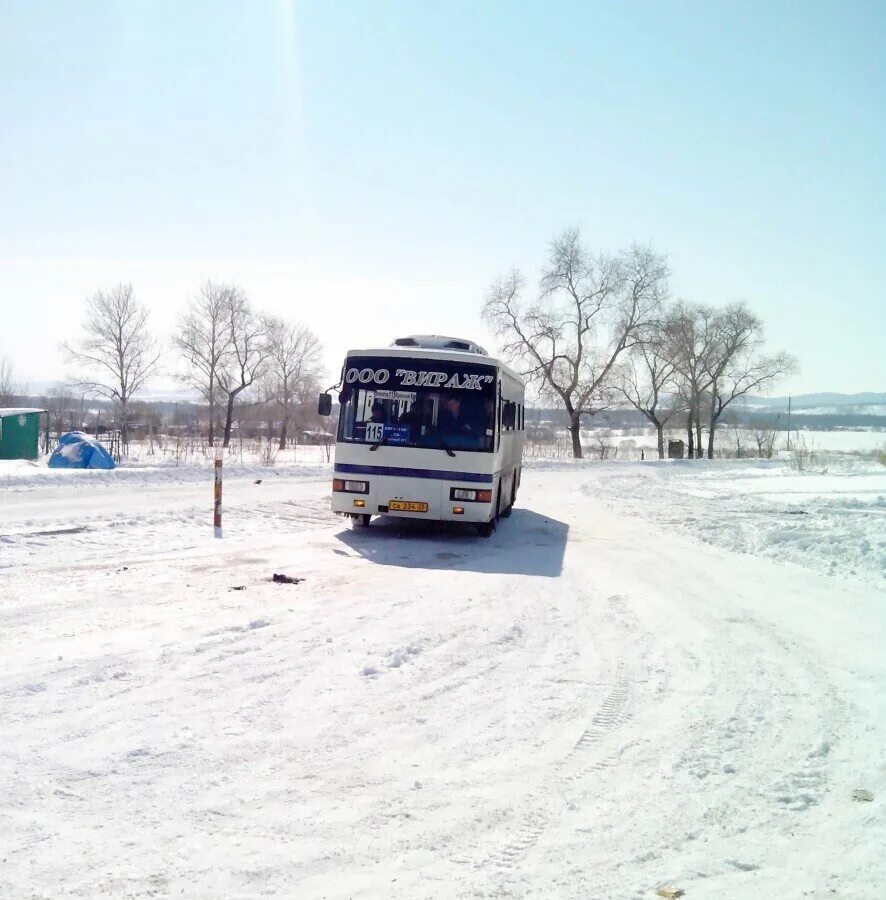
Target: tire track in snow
611, 713
546, 802
725, 762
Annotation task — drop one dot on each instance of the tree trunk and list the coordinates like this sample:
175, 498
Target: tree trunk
283, 434
575, 431
211, 420
699, 452
229, 418
690, 447
124, 437
659, 430
712, 425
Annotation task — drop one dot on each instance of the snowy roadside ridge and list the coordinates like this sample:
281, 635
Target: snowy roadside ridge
834, 524
27, 476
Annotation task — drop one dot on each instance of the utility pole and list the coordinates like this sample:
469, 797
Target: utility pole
217, 505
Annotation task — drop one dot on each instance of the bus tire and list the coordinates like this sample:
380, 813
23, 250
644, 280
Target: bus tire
485, 529
362, 520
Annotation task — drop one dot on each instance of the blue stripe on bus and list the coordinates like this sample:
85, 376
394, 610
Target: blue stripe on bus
437, 474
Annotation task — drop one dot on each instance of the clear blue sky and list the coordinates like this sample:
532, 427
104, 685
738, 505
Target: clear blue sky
369, 167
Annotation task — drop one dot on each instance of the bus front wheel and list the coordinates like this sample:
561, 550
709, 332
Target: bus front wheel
485, 529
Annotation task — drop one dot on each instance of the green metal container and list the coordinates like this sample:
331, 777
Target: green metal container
19, 433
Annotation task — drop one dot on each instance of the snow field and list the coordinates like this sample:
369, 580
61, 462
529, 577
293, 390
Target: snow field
591, 703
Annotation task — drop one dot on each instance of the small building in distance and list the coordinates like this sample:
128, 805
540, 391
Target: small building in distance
20, 433
676, 449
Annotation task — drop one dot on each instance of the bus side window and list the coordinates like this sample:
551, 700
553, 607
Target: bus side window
509, 416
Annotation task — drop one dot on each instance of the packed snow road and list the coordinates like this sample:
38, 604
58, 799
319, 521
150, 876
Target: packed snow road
584, 705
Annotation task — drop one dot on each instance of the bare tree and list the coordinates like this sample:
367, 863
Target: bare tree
203, 337
11, 387
62, 407
117, 351
295, 365
588, 312
734, 368
764, 434
731, 421
689, 338
246, 356
645, 377
603, 444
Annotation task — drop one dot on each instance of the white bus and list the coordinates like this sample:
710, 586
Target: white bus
429, 428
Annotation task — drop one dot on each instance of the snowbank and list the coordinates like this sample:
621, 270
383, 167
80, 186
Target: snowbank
833, 522
21, 475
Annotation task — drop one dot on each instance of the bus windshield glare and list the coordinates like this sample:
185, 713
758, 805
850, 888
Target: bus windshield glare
418, 403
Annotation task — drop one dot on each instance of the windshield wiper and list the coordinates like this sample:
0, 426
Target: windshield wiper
446, 447
378, 443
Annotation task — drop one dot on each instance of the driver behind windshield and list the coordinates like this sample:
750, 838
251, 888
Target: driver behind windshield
460, 421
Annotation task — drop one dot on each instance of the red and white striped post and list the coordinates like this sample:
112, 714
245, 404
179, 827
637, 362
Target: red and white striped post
216, 519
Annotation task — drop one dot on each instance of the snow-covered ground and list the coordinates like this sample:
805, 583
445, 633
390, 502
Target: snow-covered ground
833, 522
848, 441
651, 674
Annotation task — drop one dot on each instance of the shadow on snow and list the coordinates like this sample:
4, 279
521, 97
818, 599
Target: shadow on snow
527, 543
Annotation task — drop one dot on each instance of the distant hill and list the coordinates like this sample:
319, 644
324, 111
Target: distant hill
823, 411
826, 410
165, 393
868, 403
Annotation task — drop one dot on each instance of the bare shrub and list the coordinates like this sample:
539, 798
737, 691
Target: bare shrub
801, 454
603, 445
11, 388
267, 452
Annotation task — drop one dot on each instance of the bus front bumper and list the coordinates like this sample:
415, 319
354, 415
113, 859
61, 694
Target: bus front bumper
413, 498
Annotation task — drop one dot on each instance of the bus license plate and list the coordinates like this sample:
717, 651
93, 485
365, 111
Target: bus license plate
407, 506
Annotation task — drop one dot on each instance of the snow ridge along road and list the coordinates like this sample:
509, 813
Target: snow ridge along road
584, 705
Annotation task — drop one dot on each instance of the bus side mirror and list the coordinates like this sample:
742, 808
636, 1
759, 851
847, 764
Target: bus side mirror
324, 405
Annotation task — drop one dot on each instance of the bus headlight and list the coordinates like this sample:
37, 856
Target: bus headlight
350, 487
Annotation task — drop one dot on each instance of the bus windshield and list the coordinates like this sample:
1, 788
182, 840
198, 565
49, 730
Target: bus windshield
442, 405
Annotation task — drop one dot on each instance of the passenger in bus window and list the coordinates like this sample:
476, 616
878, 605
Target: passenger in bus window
378, 412
450, 420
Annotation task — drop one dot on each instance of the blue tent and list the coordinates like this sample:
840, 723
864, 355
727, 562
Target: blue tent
77, 450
